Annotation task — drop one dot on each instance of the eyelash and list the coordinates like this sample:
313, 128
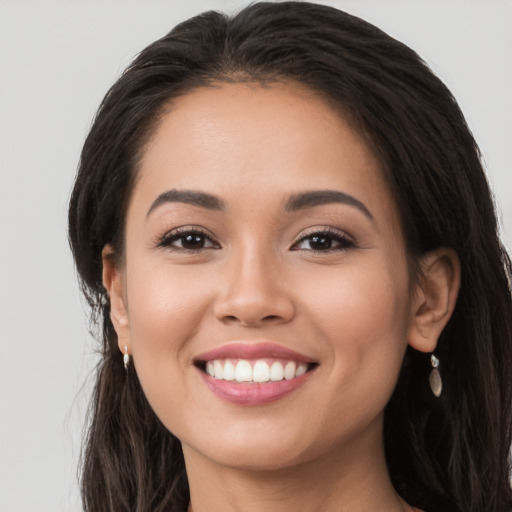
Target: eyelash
181, 233
343, 241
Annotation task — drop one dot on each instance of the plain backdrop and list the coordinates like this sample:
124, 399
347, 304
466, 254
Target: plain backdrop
57, 59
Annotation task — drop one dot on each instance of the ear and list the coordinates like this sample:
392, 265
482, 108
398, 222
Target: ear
113, 281
435, 298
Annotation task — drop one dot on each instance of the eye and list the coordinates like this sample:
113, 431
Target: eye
186, 239
324, 241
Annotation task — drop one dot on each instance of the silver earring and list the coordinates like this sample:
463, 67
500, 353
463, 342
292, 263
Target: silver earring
126, 358
436, 384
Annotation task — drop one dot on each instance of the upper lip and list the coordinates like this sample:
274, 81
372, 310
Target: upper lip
246, 350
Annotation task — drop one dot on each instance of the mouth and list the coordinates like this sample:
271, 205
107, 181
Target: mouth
252, 374
255, 371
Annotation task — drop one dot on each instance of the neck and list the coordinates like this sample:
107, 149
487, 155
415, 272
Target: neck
343, 480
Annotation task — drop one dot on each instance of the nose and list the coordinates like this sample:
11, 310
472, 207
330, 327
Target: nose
253, 291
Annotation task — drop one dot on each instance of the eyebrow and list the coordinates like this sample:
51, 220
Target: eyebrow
192, 197
321, 197
296, 202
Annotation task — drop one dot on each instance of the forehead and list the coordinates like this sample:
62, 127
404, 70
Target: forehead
262, 141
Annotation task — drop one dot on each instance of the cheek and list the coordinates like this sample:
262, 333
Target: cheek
166, 308
361, 318
358, 303
164, 299
361, 314
161, 313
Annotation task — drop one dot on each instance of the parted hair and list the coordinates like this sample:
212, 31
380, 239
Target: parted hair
446, 454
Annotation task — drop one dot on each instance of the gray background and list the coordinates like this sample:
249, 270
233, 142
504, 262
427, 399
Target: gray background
57, 59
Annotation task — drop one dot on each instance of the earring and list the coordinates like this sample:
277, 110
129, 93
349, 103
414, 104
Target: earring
126, 358
436, 384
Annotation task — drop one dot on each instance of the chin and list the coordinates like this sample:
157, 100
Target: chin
255, 458
260, 448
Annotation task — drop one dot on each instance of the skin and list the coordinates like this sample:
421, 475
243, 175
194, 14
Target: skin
349, 308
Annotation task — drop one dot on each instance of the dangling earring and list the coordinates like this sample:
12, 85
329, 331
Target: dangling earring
126, 358
436, 384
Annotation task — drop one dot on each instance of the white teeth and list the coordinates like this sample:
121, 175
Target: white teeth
301, 370
243, 371
261, 372
289, 370
229, 371
219, 370
256, 371
276, 371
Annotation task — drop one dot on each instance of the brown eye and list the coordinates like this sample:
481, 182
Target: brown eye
187, 241
323, 242
192, 241
320, 242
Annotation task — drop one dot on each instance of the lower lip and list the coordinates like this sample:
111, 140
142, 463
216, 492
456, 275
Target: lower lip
253, 394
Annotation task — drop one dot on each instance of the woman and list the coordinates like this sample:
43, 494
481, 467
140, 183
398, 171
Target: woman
283, 224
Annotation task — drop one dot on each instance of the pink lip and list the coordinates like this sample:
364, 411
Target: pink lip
253, 394
244, 350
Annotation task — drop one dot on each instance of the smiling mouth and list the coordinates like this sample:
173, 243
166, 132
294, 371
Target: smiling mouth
255, 371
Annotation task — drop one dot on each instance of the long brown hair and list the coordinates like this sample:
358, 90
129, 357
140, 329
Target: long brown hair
451, 453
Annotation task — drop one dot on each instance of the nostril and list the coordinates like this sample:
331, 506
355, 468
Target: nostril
251, 309
245, 320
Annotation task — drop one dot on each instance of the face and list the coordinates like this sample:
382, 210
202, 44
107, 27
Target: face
264, 293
